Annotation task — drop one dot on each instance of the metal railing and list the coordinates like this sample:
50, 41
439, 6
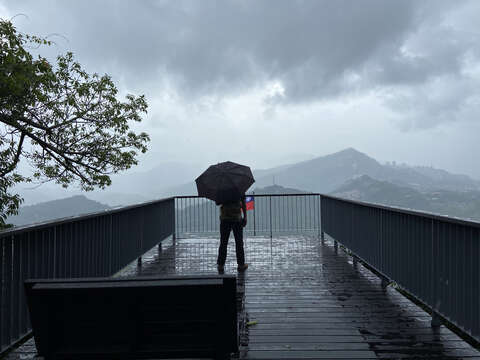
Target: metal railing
272, 214
93, 245
434, 258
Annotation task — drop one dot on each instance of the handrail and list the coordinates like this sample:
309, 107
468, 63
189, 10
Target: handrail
434, 258
58, 221
426, 214
255, 195
399, 209
91, 245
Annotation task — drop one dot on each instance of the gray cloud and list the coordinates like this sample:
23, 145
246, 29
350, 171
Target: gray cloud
317, 50
225, 46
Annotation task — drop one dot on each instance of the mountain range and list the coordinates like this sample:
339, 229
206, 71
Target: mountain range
325, 174
347, 173
460, 204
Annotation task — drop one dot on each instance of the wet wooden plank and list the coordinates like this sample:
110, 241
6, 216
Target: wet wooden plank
341, 311
311, 303
312, 354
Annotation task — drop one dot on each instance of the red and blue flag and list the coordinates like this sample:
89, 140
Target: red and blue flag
250, 202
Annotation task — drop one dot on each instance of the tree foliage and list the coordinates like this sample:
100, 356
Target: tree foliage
66, 123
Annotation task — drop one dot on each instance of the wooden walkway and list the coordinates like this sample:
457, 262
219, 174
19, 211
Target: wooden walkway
307, 302
311, 303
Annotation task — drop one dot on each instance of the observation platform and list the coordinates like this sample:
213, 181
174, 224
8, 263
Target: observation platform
307, 301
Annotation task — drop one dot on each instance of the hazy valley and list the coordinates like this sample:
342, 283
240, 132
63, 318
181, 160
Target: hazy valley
348, 173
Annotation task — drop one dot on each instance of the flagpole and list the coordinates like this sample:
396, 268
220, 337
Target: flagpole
254, 229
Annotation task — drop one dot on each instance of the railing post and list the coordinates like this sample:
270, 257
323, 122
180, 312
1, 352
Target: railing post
320, 223
55, 252
174, 220
2, 291
271, 230
384, 283
355, 262
335, 246
435, 323
254, 225
111, 251
320, 220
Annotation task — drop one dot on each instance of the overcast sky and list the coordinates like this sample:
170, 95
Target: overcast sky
271, 82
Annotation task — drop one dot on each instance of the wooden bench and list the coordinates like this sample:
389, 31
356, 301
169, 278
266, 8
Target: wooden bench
132, 318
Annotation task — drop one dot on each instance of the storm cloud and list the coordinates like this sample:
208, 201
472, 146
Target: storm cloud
314, 48
239, 66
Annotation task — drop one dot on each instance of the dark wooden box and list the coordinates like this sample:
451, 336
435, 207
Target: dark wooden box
147, 317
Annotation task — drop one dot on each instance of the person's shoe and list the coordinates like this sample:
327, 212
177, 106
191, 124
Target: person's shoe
220, 269
242, 268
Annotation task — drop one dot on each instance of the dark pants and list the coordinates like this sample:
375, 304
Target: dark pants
225, 227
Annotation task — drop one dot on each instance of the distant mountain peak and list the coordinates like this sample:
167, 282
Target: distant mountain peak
350, 152
56, 209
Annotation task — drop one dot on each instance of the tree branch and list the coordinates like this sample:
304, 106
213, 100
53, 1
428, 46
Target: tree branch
13, 165
46, 145
72, 168
6, 119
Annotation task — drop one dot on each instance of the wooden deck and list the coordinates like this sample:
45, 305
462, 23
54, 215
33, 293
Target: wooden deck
308, 303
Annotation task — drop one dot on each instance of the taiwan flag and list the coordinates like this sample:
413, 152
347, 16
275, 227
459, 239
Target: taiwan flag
250, 202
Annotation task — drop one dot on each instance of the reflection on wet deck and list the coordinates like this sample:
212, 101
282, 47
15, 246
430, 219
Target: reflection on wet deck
308, 303
311, 303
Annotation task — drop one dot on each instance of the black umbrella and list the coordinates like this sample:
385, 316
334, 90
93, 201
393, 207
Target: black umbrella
224, 182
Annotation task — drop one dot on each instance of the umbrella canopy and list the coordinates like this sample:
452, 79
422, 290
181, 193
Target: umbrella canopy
224, 182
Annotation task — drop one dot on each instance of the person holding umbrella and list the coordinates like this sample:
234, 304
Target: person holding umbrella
231, 219
226, 184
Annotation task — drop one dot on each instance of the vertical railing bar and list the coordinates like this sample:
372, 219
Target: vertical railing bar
7, 281
177, 216
2, 289
214, 225
299, 213
320, 222
195, 215
271, 234
16, 288
175, 210
304, 211
54, 254
254, 216
288, 222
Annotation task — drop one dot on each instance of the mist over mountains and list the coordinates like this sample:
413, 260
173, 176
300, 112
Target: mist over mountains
461, 204
56, 209
347, 173
325, 174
